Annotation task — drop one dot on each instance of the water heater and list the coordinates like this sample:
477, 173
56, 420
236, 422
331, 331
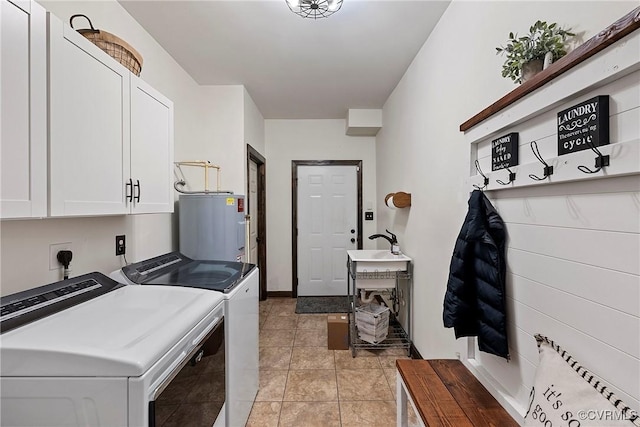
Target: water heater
212, 226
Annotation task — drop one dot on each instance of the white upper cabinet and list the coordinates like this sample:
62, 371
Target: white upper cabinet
151, 149
89, 126
111, 135
23, 122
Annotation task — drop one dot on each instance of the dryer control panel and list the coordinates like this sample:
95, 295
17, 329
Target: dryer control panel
34, 304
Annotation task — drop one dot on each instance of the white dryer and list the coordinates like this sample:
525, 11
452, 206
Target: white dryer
238, 284
89, 351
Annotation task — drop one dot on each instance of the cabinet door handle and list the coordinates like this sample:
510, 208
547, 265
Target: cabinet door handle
129, 191
137, 185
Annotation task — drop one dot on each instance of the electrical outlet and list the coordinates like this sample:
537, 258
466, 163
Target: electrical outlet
54, 248
120, 245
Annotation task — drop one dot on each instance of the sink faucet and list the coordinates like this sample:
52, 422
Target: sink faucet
393, 241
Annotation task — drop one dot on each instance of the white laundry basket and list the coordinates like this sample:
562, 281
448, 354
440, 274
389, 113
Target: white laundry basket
372, 321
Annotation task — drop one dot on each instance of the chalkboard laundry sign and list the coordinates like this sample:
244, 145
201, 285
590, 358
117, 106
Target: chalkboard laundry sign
583, 124
504, 152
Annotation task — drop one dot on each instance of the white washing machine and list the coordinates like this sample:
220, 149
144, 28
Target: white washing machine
238, 284
89, 351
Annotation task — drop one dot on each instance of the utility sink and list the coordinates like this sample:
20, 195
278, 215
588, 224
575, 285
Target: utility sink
368, 255
378, 260
376, 269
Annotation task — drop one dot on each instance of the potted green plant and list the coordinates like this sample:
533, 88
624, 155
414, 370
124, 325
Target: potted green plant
525, 55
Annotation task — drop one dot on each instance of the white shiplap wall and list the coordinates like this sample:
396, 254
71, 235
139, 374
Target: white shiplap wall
573, 257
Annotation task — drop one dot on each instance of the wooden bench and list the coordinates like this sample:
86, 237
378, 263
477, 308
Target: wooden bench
444, 393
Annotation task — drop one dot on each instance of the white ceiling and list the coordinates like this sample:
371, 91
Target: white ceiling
293, 68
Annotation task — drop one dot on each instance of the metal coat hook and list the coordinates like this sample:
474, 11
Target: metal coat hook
548, 170
486, 180
512, 177
601, 160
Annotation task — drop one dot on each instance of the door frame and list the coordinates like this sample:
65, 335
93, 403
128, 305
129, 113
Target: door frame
254, 156
294, 209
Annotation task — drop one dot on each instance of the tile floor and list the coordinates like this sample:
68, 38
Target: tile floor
302, 384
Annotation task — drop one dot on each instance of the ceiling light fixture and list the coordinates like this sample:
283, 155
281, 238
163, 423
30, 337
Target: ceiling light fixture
314, 8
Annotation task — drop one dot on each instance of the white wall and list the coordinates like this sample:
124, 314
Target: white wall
420, 149
231, 120
208, 125
288, 140
253, 124
573, 248
222, 141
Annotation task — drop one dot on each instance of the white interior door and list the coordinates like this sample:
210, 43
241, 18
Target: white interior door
253, 212
327, 220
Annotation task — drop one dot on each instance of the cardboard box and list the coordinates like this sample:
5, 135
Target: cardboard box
337, 332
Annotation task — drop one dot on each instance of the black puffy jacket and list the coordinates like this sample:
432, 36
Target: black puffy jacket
474, 304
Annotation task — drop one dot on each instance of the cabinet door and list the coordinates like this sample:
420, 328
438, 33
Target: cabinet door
23, 122
89, 126
151, 149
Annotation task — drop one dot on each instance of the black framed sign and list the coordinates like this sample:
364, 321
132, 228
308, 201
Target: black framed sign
504, 151
583, 124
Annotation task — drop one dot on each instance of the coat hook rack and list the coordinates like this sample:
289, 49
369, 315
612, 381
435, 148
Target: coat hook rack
512, 177
601, 160
486, 180
548, 170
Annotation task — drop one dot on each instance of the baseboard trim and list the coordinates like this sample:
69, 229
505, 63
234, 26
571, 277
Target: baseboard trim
279, 294
508, 402
415, 354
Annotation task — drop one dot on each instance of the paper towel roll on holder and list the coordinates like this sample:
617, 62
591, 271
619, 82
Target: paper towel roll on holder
398, 200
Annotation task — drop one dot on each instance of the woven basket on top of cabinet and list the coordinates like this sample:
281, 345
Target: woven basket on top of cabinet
113, 45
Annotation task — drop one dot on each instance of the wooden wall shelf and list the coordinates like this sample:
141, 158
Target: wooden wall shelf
616, 31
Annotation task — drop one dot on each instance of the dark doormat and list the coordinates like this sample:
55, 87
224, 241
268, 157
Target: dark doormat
339, 304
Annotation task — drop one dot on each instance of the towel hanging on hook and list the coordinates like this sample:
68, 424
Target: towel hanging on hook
548, 170
486, 180
512, 177
601, 160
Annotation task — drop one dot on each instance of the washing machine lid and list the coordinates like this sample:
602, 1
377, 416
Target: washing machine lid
119, 334
175, 269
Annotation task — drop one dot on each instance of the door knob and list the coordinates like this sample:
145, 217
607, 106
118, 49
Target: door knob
353, 240
353, 231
